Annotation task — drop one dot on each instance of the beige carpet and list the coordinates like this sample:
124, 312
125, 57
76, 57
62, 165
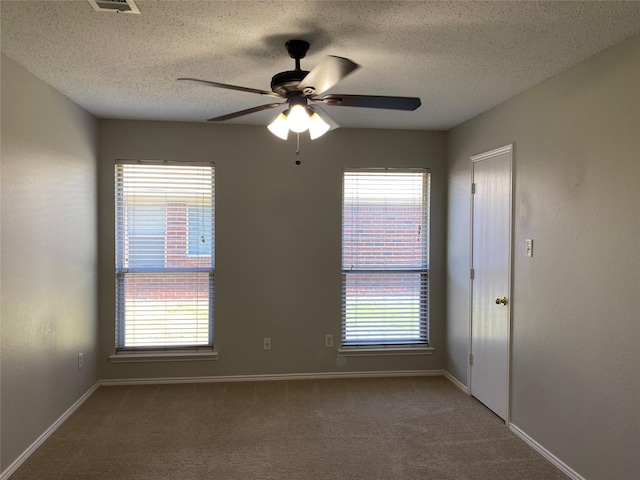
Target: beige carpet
381, 428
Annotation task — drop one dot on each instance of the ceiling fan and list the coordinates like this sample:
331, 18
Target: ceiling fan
300, 90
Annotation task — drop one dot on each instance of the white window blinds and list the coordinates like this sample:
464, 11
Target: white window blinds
164, 254
385, 254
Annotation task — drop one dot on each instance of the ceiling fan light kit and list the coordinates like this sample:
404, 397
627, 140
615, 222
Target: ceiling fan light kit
298, 121
299, 87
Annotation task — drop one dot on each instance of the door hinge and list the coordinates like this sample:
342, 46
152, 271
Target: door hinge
473, 189
471, 359
472, 274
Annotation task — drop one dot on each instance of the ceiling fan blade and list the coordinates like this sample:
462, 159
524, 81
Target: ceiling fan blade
370, 101
231, 87
259, 108
326, 74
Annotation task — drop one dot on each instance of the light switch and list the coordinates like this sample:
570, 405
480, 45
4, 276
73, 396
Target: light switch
529, 247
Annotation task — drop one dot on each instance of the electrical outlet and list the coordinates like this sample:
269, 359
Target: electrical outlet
529, 249
80, 360
328, 341
266, 343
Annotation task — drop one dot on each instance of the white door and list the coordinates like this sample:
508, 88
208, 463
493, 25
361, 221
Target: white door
491, 278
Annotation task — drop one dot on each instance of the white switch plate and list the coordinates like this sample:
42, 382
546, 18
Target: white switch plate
529, 247
266, 343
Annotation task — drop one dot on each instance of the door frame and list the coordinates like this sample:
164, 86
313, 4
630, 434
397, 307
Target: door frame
509, 148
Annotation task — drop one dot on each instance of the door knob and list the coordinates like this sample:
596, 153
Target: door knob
501, 301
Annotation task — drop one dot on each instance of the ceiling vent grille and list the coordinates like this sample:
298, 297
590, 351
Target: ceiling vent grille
117, 6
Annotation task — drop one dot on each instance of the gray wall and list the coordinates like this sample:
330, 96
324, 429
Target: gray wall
48, 250
576, 303
278, 241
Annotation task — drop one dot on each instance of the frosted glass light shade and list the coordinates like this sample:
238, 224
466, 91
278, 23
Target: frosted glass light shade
279, 127
298, 119
317, 126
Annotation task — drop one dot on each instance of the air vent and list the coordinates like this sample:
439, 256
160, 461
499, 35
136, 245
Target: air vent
118, 6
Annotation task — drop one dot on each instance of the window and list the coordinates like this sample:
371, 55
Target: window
164, 255
385, 258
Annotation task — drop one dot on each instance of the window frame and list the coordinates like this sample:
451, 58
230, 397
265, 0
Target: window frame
168, 351
419, 344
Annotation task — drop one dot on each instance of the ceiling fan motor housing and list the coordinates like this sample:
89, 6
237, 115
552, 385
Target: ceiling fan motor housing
284, 83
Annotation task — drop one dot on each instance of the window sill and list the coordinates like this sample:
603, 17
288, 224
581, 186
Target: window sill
145, 357
382, 351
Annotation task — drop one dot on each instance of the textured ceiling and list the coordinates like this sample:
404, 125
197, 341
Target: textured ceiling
460, 58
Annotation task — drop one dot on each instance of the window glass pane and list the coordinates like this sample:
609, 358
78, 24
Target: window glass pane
200, 230
384, 308
165, 309
384, 216
146, 235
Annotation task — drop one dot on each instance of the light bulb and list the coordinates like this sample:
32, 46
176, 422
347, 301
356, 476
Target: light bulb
298, 119
279, 127
317, 126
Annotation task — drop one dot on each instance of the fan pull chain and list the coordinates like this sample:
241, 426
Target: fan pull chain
298, 149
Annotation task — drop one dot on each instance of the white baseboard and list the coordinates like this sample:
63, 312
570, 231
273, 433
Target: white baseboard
546, 454
47, 433
267, 377
456, 382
